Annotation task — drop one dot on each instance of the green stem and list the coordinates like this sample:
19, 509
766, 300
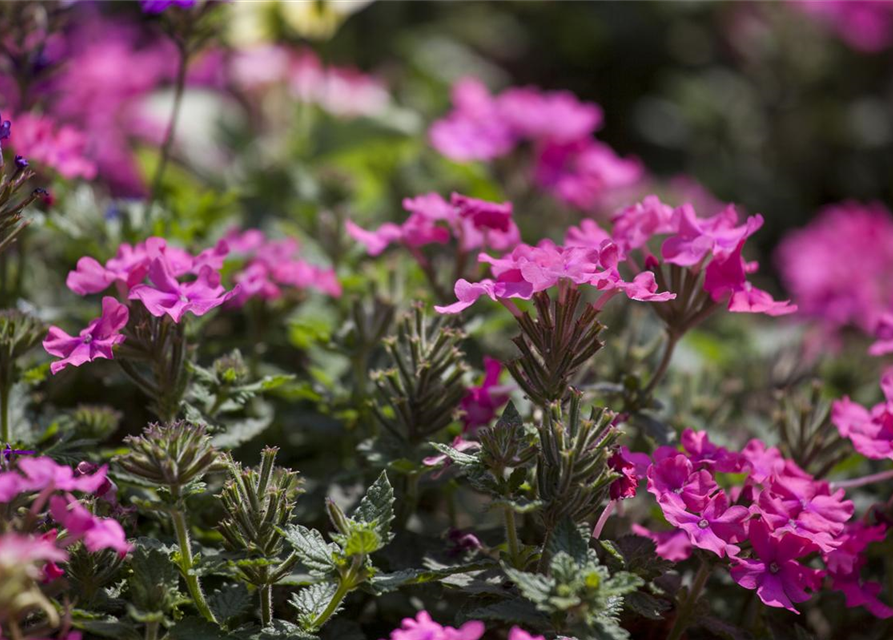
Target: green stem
187, 565
544, 556
344, 587
683, 616
672, 339
167, 144
266, 605
152, 631
511, 536
410, 499
5, 435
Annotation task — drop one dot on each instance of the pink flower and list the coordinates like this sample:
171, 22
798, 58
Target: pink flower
706, 455
43, 473
581, 172
865, 25
845, 564
80, 524
625, 486
635, 225
474, 130
483, 214
775, 574
673, 481
871, 432
174, 298
696, 238
97, 340
836, 267
422, 627
714, 529
725, 278
481, 402
557, 116
807, 509
128, 267
587, 234
61, 148
673, 545
517, 633
762, 462
17, 550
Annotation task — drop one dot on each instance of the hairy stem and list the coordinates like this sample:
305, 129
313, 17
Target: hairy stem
266, 605
187, 565
511, 536
344, 587
683, 616
670, 347
151, 631
864, 480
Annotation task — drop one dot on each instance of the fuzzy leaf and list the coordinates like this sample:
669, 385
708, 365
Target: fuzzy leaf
646, 605
515, 610
377, 507
154, 579
230, 601
459, 457
311, 602
534, 586
109, 629
196, 629
362, 540
315, 553
640, 557
570, 539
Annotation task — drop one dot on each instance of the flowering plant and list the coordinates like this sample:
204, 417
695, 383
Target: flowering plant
295, 350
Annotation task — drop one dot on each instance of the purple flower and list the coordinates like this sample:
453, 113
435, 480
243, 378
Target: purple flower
97, 340
173, 298
159, 6
5, 128
673, 481
714, 529
706, 455
775, 574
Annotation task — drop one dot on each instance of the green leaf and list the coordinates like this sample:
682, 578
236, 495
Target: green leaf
362, 540
459, 457
315, 553
196, 629
110, 628
519, 505
534, 586
377, 507
567, 537
510, 418
515, 610
230, 601
312, 601
640, 557
386, 582
646, 605
154, 578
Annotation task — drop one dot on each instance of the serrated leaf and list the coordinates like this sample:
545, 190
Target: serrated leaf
154, 578
646, 605
315, 553
640, 557
386, 582
510, 418
311, 602
196, 629
377, 507
362, 540
567, 537
459, 457
519, 505
109, 629
515, 610
534, 586
230, 601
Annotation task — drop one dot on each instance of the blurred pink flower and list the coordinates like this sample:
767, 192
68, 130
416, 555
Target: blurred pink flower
481, 402
673, 545
48, 145
97, 340
422, 627
80, 524
838, 267
871, 432
865, 25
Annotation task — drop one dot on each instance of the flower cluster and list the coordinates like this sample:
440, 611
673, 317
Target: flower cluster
569, 163
702, 257
51, 484
836, 267
270, 265
871, 432
61, 148
423, 627
472, 223
786, 515
341, 91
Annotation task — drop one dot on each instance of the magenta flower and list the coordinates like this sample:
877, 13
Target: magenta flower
673, 481
845, 564
96, 533
481, 402
706, 455
835, 268
422, 627
726, 278
517, 633
865, 25
173, 298
97, 340
871, 432
716, 528
43, 473
762, 462
483, 214
775, 574
159, 6
61, 148
17, 550
673, 545
582, 172
128, 267
696, 238
807, 509
626, 485
474, 130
